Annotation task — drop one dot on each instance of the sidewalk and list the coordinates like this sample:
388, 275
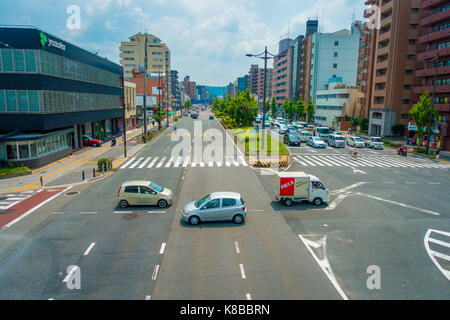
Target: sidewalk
69, 170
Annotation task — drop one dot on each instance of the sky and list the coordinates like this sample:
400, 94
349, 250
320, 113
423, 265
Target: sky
208, 39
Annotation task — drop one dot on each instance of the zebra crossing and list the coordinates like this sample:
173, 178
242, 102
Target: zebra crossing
370, 161
10, 199
181, 162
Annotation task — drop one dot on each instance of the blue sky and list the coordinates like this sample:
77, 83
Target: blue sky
208, 39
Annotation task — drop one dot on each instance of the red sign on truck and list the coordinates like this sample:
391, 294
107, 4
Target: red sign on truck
287, 187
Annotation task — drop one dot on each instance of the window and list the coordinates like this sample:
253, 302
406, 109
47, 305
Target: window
410, 57
409, 71
415, 10
7, 60
228, 202
19, 60
24, 152
11, 151
413, 26
131, 189
334, 65
146, 190
336, 43
379, 100
412, 41
405, 101
213, 204
405, 116
11, 101
23, 101
30, 61
407, 86
2, 101
335, 54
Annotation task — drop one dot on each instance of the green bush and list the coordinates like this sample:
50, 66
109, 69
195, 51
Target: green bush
398, 129
107, 162
175, 119
421, 150
388, 143
10, 165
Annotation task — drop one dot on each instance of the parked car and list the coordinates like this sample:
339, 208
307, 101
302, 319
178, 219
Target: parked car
143, 193
283, 129
309, 127
355, 141
336, 140
292, 131
211, 117
258, 120
216, 206
292, 140
304, 135
375, 143
195, 116
185, 114
88, 141
316, 142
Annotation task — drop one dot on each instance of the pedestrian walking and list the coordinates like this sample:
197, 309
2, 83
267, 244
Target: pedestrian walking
437, 154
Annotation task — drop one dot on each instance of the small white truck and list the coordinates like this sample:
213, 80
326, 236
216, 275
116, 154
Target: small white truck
292, 187
375, 143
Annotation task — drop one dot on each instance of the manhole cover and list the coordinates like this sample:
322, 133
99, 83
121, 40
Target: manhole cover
72, 193
130, 216
6, 211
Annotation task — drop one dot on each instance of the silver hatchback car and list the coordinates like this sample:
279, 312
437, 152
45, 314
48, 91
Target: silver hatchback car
216, 206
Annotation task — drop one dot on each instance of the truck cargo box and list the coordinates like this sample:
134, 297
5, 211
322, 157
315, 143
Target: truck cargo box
292, 184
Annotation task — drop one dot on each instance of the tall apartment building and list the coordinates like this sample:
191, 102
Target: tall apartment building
256, 81
305, 66
175, 88
363, 65
189, 88
334, 55
392, 61
435, 20
282, 68
242, 83
296, 76
311, 27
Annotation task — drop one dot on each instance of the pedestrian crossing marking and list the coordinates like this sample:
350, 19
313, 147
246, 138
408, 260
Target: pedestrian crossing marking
177, 162
153, 162
161, 162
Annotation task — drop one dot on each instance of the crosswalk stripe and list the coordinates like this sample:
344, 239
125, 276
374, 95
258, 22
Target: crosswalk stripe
161, 162
178, 162
320, 161
128, 163
153, 162
371, 163
227, 163
300, 161
335, 162
145, 162
315, 160
186, 161
398, 162
219, 164
169, 162
202, 164
194, 164
136, 163
310, 163
343, 159
210, 164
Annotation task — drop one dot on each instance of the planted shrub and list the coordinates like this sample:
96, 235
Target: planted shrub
104, 162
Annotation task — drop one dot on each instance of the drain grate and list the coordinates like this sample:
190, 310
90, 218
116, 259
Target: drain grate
72, 193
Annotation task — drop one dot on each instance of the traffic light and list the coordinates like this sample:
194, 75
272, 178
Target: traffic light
154, 108
246, 108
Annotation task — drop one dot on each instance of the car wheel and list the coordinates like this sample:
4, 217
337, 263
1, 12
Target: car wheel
288, 202
317, 201
194, 220
95, 145
238, 219
162, 203
123, 204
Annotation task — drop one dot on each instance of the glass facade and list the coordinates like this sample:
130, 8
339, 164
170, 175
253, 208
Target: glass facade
31, 101
42, 62
27, 150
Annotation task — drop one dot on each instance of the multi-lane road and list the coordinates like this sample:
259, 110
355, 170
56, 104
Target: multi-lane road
385, 211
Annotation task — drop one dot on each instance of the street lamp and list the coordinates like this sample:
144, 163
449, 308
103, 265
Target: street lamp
435, 59
265, 57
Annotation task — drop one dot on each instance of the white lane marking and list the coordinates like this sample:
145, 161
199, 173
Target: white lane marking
89, 249
301, 162
123, 211
388, 182
439, 242
400, 204
236, 245
355, 171
153, 162
128, 163
69, 275
219, 164
310, 163
227, 162
248, 296
148, 297
325, 161
434, 183
163, 247
156, 211
136, 163
256, 210
145, 162
194, 164
241, 267
92, 212
314, 160
202, 164
410, 182
161, 162
34, 209
432, 253
210, 164
243, 161
336, 201
235, 163
57, 212
51, 298
169, 162
354, 162
155, 272
334, 161
324, 265
355, 185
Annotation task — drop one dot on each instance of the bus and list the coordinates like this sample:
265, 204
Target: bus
323, 132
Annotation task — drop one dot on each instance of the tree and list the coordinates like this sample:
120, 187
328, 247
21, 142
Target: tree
273, 107
188, 104
311, 110
288, 108
364, 124
420, 113
299, 108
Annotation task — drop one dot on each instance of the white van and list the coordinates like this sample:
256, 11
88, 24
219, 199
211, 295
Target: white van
336, 140
304, 135
323, 133
299, 186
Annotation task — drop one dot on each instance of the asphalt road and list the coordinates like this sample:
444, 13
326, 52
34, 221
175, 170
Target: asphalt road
148, 253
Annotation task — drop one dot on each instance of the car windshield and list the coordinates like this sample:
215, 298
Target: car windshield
376, 139
306, 133
317, 139
202, 201
340, 138
358, 139
293, 137
156, 187
87, 138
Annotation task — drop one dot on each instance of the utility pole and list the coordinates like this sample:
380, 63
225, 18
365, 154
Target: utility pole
432, 103
159, 99
124, 124
264, 92
145, 84
167, 97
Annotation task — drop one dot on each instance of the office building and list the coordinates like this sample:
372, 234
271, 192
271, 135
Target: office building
130, 105
51, 94
282, 72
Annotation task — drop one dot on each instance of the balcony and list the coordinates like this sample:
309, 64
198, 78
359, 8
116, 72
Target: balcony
434, 35
430, 54
384, 36
442, 107
429, 88
429, 72
435, 17
382, 65
429, 4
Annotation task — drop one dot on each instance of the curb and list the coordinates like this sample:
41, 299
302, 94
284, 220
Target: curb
17, 174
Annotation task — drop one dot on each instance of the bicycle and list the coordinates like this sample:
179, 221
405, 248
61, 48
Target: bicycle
354, 156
